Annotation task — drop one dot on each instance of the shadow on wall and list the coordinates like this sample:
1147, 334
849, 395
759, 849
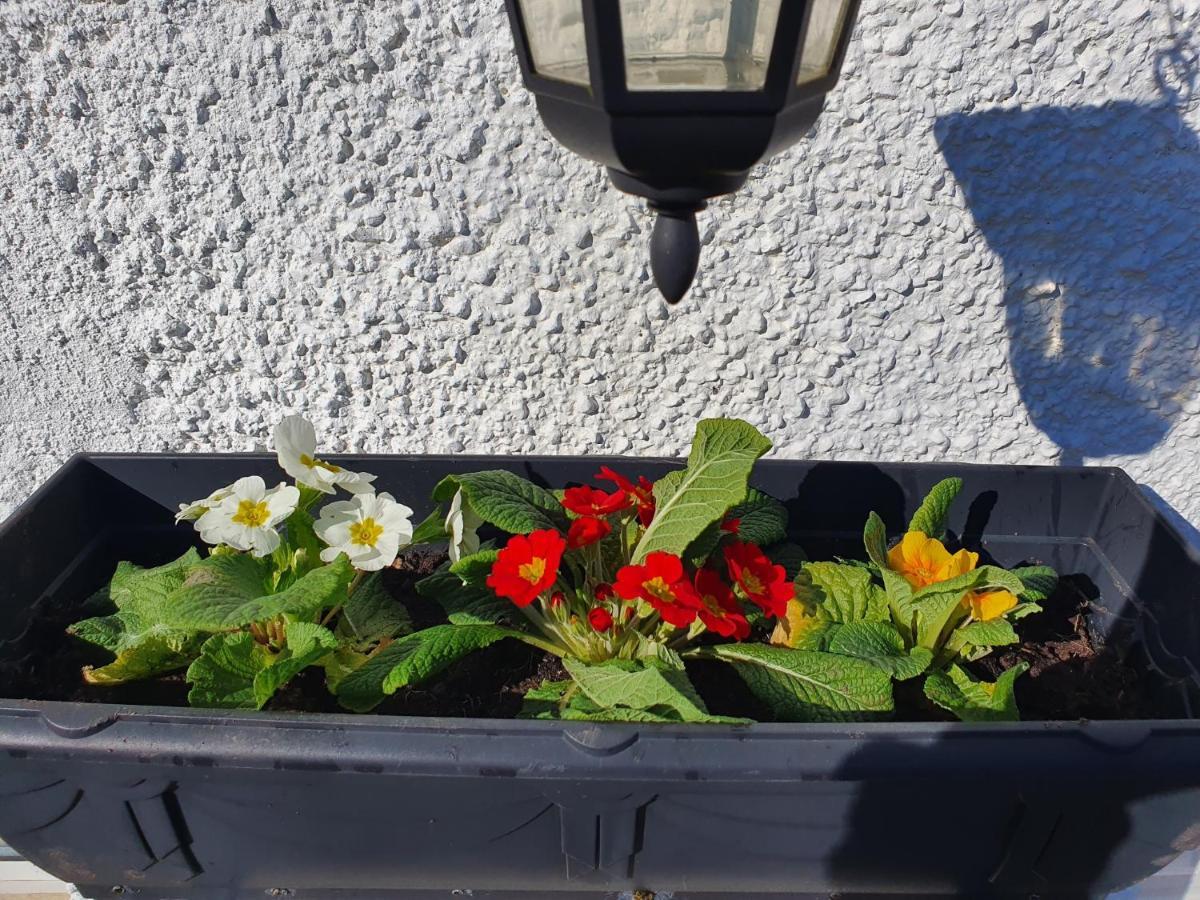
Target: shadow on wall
1095, 213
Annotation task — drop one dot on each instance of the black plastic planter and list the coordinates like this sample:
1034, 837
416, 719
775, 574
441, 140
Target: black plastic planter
169, 802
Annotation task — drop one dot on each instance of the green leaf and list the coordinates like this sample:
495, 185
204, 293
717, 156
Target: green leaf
223, 675
994, 633
801, 685
372, 614
687, 502
879, 644
303, 545
224, 593
805, 626
930, 517
467, 604
1038, 582
551, 701
1021, 610
476, 568
791, 556
413, 659
144, 647
155, 652
432, 529
933, 607
643, 686
506, 500
975, 701
547, 702
305, 645
899, 595
847, 593
875, 540
147, 591
761, 519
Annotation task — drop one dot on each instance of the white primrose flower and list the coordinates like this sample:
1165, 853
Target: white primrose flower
189, 512
369, 528
461, 525
246, 518
296, 447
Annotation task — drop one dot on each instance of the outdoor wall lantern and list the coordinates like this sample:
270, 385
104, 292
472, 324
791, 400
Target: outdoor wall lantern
679, 98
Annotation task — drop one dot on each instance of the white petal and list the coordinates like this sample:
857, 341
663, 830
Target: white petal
282, 502
252, 487
262, 541
295, 436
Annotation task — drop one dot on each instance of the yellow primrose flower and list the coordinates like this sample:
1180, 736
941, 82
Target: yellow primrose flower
923, 560
988, 605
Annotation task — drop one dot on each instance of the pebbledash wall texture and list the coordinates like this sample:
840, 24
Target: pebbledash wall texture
213, 213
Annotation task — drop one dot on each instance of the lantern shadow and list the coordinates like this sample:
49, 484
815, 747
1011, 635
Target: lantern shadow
1095, 213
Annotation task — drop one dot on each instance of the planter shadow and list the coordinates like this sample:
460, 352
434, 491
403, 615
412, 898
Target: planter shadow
1095, 213
160, 801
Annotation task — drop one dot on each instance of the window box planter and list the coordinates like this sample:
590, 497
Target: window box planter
188, 803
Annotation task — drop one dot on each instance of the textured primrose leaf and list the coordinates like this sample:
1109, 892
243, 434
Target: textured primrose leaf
994, 633
806, 625
146, 591
476, 568
933, 607
432, 529
875, 540
372, 614
413, 659
228, 592
879, 644
646, 687
976, 701
223, 675
302, 543
930, 517
144, 646
688, 501
546, 702
1038, 582
306, 643
466, 604
761, 519
155, 652
847, 593
791, 556
506, 500
804, 686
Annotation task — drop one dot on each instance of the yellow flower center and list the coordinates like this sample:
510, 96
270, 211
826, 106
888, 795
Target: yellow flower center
750, 582
711, 604
659, 589
533, 570
313, 463
252, 514
365, 533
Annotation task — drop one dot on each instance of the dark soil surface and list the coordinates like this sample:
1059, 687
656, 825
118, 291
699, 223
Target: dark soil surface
1071, 676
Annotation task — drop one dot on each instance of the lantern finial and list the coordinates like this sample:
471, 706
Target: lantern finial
675, 249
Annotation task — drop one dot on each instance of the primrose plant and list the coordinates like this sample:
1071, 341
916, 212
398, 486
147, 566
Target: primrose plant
626, 581
280, 589
921, 609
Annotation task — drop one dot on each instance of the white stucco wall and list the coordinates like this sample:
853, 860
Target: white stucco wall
215, 212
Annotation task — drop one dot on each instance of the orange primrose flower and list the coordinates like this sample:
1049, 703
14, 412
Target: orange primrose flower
923, 560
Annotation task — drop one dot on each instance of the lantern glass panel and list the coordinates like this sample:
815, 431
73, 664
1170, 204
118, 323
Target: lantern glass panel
698, 45
826, 19
557, 43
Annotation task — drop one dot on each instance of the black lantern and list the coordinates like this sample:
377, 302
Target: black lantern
679, 98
